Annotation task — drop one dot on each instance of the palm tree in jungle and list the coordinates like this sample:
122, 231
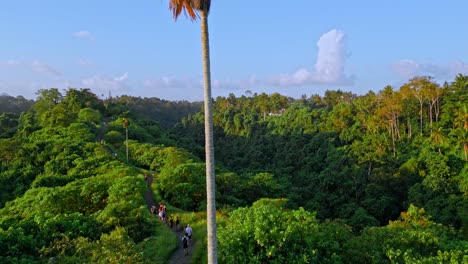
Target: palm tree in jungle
125, 125
199, 9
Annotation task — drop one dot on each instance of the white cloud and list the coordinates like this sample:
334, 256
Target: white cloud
252, 80
41, 67
229, 84
405, 68
217, 84
173, 88
177, 88
301, 76
331, 57
121, 78
26, 77
28, 88
84, 34
35, 66
410, 68
171, 82
329, 67
100, 84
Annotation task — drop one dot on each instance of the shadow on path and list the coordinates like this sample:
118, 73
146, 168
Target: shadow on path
149, 197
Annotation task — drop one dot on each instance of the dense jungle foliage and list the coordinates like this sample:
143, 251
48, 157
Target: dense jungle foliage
338, 178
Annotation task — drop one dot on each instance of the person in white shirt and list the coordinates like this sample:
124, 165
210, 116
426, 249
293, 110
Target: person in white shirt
188, 231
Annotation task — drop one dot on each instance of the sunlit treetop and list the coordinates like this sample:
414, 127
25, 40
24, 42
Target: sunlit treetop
189, 7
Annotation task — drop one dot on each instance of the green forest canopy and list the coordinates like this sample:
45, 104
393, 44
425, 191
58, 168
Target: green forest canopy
376, 178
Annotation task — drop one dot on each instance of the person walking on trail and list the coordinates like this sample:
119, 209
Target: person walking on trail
164, 214
146, 179
171, 222
185, 240
177, 224
188, 232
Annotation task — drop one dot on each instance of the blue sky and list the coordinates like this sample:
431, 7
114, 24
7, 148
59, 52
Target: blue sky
291, 47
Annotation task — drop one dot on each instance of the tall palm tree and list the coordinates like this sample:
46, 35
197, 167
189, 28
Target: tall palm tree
125, 125
462, 133
200, 9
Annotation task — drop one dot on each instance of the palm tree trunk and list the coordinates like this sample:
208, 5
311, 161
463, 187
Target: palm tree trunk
421, 115
430, 116
209, 149
392, 132
126, 142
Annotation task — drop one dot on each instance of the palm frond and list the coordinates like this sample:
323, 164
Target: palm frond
177, 6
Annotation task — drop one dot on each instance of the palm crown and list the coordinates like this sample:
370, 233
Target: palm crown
189, 7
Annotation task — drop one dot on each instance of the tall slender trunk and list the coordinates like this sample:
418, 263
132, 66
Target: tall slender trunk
209, 149
392, 132
421, 115
430, 116
409, 128
397, 126
126, 142
437, 109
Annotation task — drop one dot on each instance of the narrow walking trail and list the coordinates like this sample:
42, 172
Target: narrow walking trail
178, 256
149, 198
102, 131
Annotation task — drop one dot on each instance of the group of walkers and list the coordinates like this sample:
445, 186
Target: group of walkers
161, 209
177, 223
162, 214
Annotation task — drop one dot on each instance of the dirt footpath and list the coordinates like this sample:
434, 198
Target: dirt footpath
178, 256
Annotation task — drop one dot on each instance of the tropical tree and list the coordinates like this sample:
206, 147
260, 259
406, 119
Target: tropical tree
455, 110
47, 99
417, 87
267, 232
390, 111
200, 9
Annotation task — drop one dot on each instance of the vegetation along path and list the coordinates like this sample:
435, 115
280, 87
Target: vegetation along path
178, 257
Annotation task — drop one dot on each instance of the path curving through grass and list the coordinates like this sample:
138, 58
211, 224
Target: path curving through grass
178, 256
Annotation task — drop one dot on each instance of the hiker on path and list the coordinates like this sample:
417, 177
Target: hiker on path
185, 240
171, 222
146, 179
188, 232
160, 214
177, 224
164, 214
